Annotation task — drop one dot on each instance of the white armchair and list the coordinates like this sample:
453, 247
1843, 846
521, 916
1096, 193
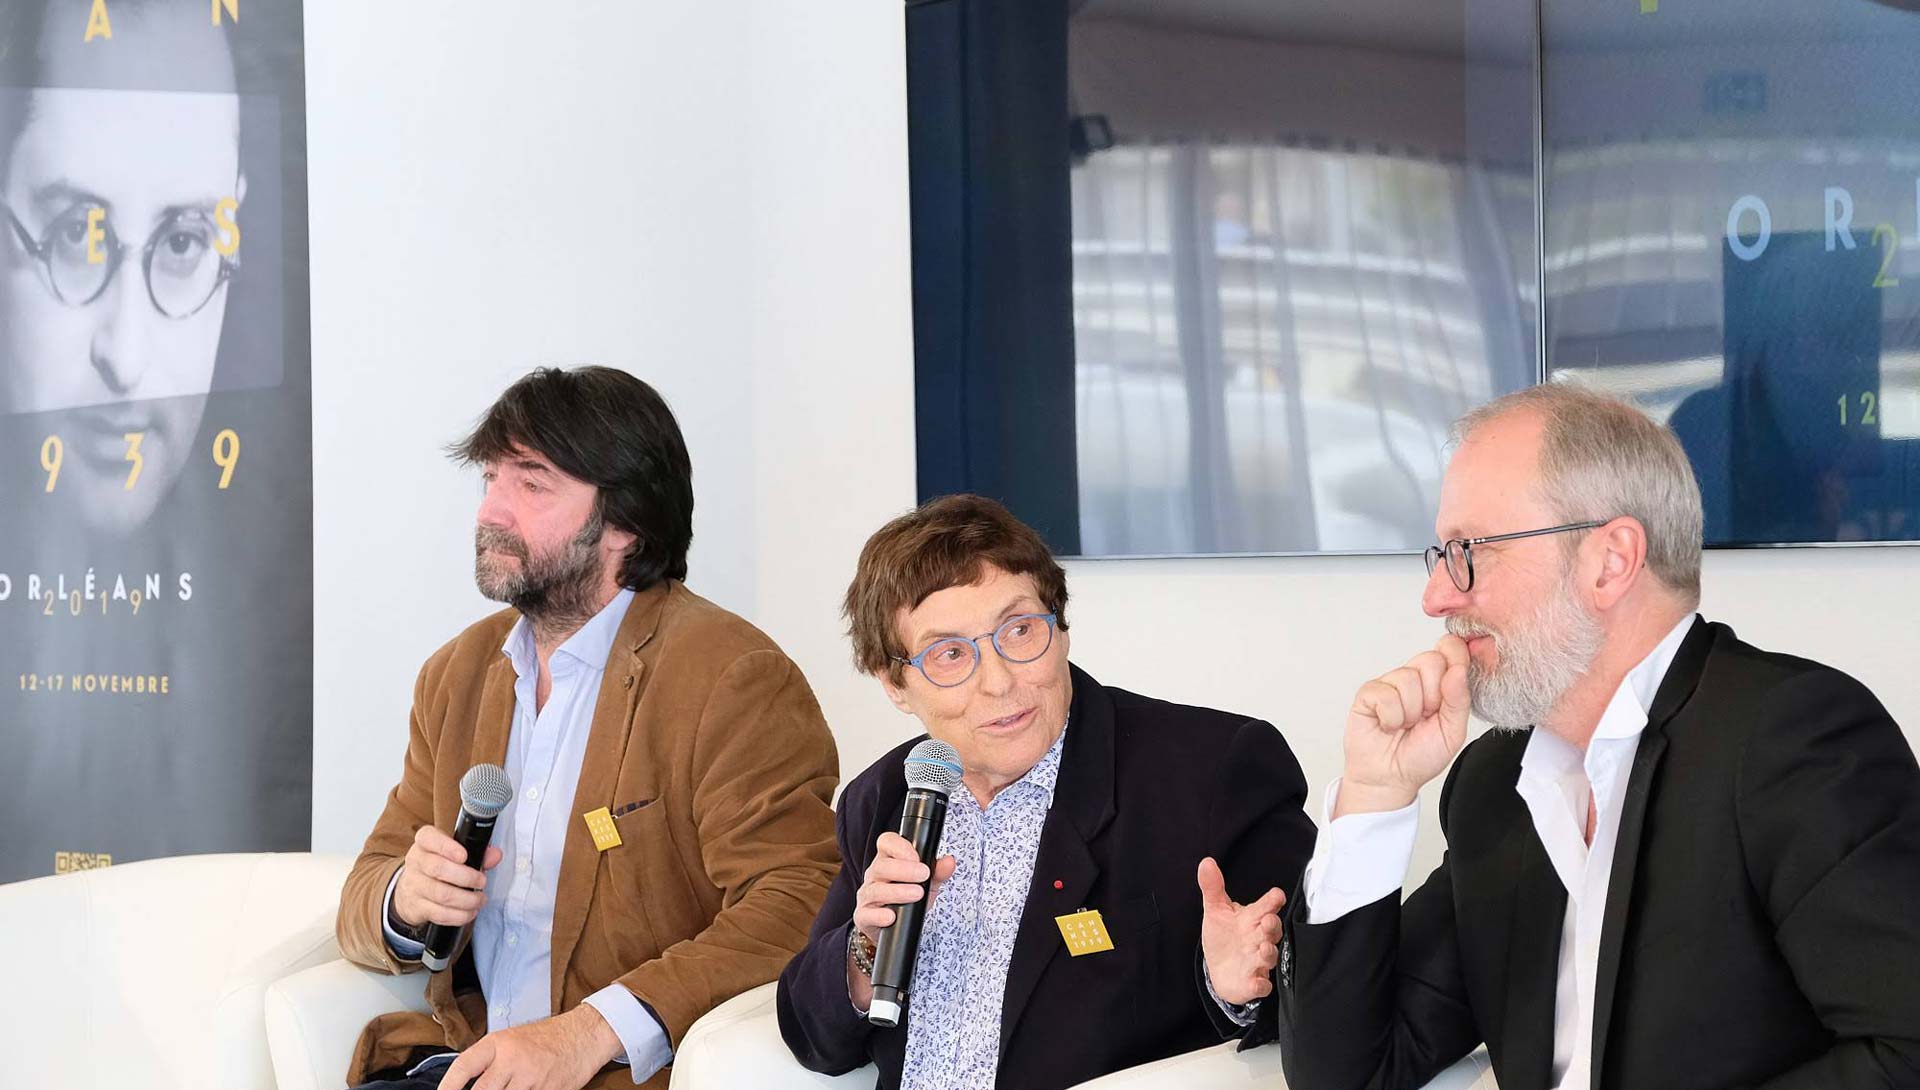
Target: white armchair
152, 974
314, 1017
738, 1044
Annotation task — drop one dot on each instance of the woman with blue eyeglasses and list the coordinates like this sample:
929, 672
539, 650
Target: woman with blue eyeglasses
1062, 919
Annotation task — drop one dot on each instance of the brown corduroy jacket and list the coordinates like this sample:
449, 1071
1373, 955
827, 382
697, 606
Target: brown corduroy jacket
709, 739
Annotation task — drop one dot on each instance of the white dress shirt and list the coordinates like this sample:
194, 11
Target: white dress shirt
513, 934
1361, 858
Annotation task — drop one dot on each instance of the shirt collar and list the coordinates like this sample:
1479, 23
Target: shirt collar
1043, 776
590, 647
1626, 713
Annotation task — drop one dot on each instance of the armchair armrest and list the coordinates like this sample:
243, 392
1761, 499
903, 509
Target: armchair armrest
315, 1016
738, 1044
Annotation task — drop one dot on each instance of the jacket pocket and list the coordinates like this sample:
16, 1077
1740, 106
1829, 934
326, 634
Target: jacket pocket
646, 878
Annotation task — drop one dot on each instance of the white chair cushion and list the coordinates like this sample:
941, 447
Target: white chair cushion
152, 974
738, 1044
315, 1016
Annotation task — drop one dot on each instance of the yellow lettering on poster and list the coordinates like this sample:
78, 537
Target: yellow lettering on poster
233, 10
52, 453
134, 456
226, 239
98, 25
96, 235
226, 454
71, 862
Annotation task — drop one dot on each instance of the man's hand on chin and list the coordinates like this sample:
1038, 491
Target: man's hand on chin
558, 1053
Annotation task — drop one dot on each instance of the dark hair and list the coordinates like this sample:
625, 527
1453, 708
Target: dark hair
613, 431
946, 542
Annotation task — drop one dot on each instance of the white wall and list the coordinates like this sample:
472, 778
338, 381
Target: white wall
833, 332
493, 189
763, 283
1291, 639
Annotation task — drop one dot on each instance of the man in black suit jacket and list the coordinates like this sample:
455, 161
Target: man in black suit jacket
1699, 868
1141, 792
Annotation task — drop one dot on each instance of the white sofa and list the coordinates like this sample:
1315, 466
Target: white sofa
221, 972
152, 974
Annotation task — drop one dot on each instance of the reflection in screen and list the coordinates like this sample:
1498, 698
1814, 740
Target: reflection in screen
1302, 244
1730, 218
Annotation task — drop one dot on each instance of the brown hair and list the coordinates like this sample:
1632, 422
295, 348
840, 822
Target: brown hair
945, 542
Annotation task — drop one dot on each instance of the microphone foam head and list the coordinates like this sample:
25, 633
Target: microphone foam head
933, 765
485, 790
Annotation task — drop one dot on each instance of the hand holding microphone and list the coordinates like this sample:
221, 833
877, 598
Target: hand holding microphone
896, 877
441, 884
436, 885
894, 897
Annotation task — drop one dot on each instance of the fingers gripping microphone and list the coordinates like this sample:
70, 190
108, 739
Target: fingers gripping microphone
933, 771
484, 793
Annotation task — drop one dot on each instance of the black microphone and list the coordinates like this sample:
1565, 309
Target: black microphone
484, 793
933, 771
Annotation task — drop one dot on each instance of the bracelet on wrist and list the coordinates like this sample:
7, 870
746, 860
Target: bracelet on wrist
861, 949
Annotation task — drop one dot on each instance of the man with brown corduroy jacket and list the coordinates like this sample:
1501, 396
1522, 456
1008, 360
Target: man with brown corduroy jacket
616, 700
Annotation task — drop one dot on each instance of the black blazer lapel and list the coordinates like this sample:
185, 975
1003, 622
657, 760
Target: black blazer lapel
1082, 808
1683, 676
1539, 910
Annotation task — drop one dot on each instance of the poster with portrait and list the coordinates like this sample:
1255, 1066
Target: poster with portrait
156, 493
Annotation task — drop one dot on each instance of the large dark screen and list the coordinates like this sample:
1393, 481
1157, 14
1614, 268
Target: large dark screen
1214, 276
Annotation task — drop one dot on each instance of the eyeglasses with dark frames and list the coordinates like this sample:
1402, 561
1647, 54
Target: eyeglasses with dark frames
1459, 551
180, 261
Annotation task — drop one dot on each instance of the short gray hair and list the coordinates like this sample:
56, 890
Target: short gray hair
1601, 458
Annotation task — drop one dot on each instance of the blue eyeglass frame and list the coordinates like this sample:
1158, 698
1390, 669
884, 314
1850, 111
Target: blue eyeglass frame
918, 661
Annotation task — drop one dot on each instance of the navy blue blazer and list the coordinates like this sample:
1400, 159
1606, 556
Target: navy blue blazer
1146, 790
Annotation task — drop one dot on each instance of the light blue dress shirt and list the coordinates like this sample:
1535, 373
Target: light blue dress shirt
513, 934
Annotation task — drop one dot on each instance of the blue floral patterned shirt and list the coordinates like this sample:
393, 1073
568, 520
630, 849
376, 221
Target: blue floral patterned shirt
960, 977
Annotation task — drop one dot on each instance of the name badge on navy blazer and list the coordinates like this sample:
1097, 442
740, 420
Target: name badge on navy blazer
1085, 932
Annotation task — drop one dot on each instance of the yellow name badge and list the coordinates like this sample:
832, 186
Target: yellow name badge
1085, 932
600, 824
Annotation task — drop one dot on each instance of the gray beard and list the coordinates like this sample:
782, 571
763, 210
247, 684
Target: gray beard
557, 591
1539, 659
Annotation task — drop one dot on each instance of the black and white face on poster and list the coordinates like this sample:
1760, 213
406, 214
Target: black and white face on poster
156, 612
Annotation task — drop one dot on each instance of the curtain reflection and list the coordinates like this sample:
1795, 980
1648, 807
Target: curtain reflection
1272, 338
